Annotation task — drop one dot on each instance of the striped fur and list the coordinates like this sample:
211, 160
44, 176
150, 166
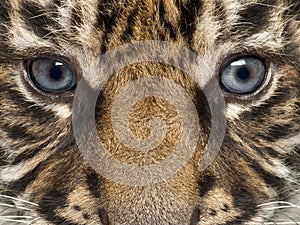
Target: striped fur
257, 168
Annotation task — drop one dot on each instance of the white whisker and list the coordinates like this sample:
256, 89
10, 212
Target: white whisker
279, 223
17, 219
292, 205
18, 200
14, 206
281, 207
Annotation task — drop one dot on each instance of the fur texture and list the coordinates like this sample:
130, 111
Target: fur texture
45, 180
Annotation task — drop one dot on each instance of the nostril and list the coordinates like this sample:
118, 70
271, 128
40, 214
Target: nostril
103, 217
195, 217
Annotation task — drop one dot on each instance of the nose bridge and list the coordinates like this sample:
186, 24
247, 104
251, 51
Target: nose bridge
153, 137
160, 179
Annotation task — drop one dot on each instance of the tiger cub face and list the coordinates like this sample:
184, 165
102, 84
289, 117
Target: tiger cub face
149, 112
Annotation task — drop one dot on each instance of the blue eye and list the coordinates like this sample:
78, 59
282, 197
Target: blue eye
51, 75
243, 75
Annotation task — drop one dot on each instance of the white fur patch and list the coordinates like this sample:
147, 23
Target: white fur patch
61, 110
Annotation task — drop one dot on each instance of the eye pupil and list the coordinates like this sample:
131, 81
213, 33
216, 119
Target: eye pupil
56, 73
243, 73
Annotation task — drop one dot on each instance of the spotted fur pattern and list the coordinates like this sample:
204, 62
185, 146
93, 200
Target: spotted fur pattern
44, 179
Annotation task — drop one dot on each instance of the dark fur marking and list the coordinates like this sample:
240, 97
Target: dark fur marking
106, 20
21, 184
220, 11
77, 207
271, 152
93, 183
294, 9
52, 201
270, 179
283, 95
86, 216
203, 110
212, 212
279, 131
195, 218
29, 154
206, 184
164, 22
294, 159
32, 152
103, 217
38, 19
128, 33
189, 14
35, 111
2, 158
17, 132
5, 9
76, 18
253, 19
244, 201
225, 208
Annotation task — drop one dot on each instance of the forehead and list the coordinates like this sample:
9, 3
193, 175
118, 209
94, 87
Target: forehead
103, 24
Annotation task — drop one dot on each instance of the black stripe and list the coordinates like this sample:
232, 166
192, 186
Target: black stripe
254, 18
289, 35
21, 184
270, 179
106, 20
219, 12
272, 152
131, 20
29, 153
279, 131
283, 95
294, 9
51, 202
165, 23
195, 218
93, 183
58, 3
2, 158
30, 109
103, 217
40, 20
16, 132
76, 18
203, 109
188, 15
206, 184
293, 159
244, 201
5, 9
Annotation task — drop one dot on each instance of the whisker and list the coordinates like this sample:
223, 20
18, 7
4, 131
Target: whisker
279, 223
288, 204
18, 200
17, 219
14, 206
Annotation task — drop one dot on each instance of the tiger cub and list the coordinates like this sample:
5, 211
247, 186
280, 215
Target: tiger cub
149, 112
